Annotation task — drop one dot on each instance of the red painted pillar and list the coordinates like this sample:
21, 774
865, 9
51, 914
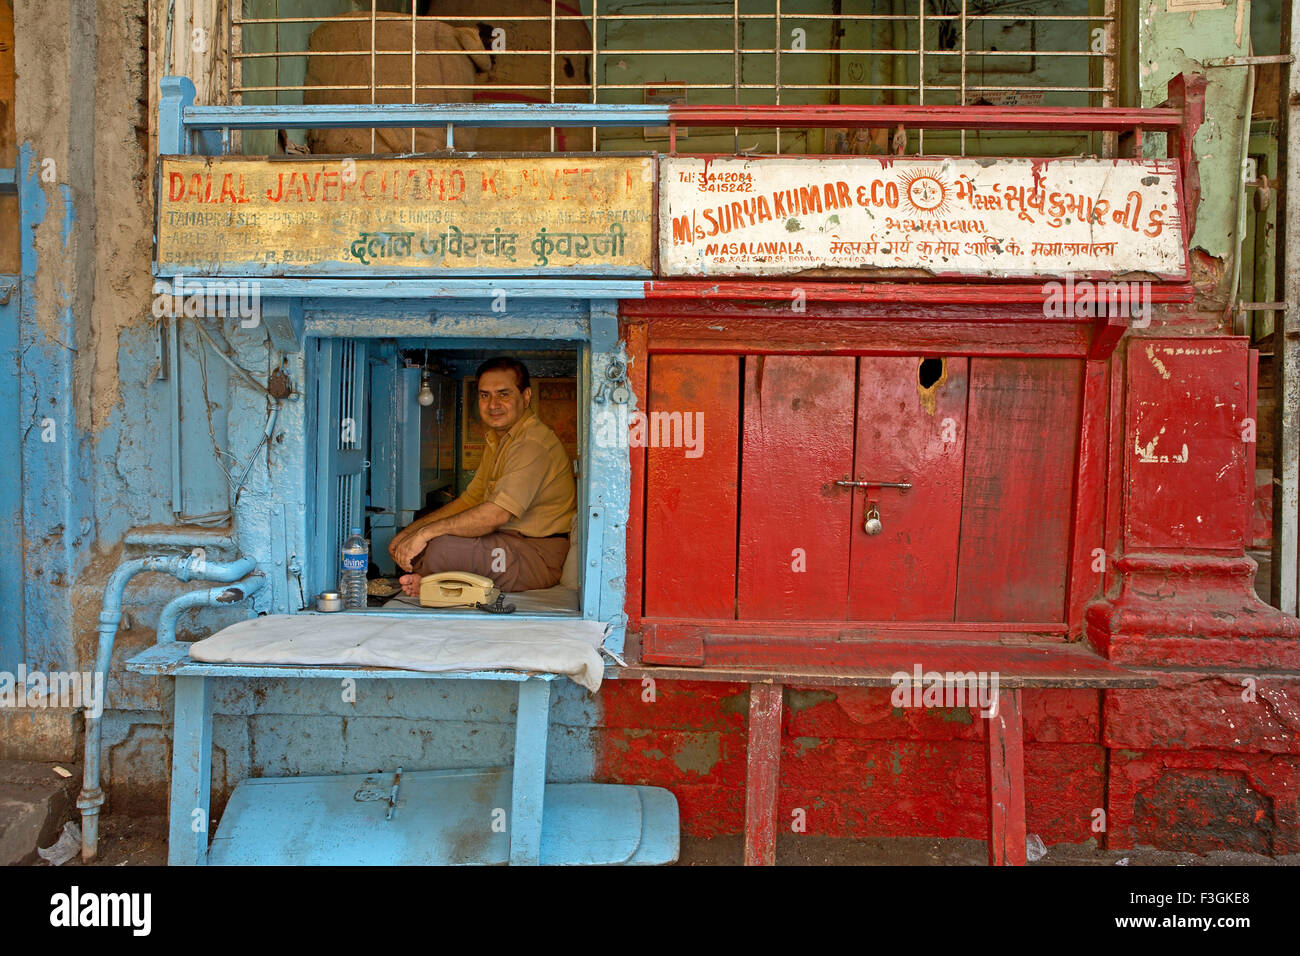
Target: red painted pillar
763, 774
1006, 782
1187, 758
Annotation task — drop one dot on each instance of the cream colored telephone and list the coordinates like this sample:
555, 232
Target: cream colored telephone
456, 589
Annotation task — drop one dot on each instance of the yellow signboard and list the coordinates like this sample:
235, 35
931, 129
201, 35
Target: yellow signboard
385, 217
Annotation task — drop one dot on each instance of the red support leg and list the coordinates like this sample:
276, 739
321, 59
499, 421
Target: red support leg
763, 774
1006, 782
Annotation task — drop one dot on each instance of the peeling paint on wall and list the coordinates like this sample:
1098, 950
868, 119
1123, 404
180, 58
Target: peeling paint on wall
1169, 45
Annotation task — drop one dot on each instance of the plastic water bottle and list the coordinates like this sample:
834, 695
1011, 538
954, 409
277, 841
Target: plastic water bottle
352, 570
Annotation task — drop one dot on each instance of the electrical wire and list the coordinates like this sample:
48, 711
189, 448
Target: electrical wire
266, 437
218, 454
210, 517
212, 432
236, 489
231, 362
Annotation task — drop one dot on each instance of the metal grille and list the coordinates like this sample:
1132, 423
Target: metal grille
791, 52
350, 408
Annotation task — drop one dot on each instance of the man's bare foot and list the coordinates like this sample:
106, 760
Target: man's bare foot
410, 584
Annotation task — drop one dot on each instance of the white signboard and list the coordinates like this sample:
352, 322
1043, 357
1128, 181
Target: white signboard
1003, 217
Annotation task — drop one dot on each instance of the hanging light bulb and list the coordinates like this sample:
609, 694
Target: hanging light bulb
425, 397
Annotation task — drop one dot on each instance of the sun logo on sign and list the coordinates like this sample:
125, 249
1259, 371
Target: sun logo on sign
925, 191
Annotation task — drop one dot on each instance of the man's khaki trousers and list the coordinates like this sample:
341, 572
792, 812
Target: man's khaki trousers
513, 562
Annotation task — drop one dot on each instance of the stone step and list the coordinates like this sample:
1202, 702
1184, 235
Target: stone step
41, 734
35, 802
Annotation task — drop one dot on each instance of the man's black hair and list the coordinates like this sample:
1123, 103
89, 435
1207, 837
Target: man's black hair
504, 363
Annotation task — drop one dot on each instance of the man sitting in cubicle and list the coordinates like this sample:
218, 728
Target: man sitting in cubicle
512, 523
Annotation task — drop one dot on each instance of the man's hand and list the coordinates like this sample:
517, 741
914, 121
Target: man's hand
406, 547
473, 522
408, 533
401, 538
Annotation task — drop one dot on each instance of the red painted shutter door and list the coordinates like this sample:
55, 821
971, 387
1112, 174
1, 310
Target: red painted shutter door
908, 572
690, 521
794, 519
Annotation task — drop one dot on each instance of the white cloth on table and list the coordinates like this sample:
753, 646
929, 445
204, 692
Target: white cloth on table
569, 647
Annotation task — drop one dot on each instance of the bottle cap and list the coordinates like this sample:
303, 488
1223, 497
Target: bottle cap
356, 530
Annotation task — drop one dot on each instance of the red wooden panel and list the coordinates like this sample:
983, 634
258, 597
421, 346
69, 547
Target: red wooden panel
690, 515
1021, 447
1089, 496
1115, 468
794, 519
932, 334
1188, 472
680, 644
908, 572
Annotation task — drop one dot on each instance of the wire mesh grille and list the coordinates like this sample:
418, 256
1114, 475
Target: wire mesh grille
792, 52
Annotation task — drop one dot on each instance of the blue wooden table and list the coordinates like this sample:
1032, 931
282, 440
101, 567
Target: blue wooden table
431, 817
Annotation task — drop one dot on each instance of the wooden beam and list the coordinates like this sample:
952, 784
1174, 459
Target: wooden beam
763, 774
638, 359
885, 337
202, 56
1286, 361
776, 295
1088, 532
1006, 782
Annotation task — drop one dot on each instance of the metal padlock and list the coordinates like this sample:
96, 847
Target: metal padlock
872, 525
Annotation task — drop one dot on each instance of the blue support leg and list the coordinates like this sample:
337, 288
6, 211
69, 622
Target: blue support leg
188, 821
530, 772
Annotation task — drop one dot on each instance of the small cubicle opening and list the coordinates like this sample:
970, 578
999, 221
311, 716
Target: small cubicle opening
398, 435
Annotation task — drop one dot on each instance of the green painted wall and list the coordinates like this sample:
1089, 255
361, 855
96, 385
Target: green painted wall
1172, 43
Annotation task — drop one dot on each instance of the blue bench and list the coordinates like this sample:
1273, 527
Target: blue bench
495, 815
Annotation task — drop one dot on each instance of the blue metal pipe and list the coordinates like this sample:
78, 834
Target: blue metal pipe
183, 567
223, 596
179, 537
391, 115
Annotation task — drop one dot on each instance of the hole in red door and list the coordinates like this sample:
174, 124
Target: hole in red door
930, 373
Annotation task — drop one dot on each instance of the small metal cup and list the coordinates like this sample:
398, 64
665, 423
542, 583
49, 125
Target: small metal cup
329, 601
